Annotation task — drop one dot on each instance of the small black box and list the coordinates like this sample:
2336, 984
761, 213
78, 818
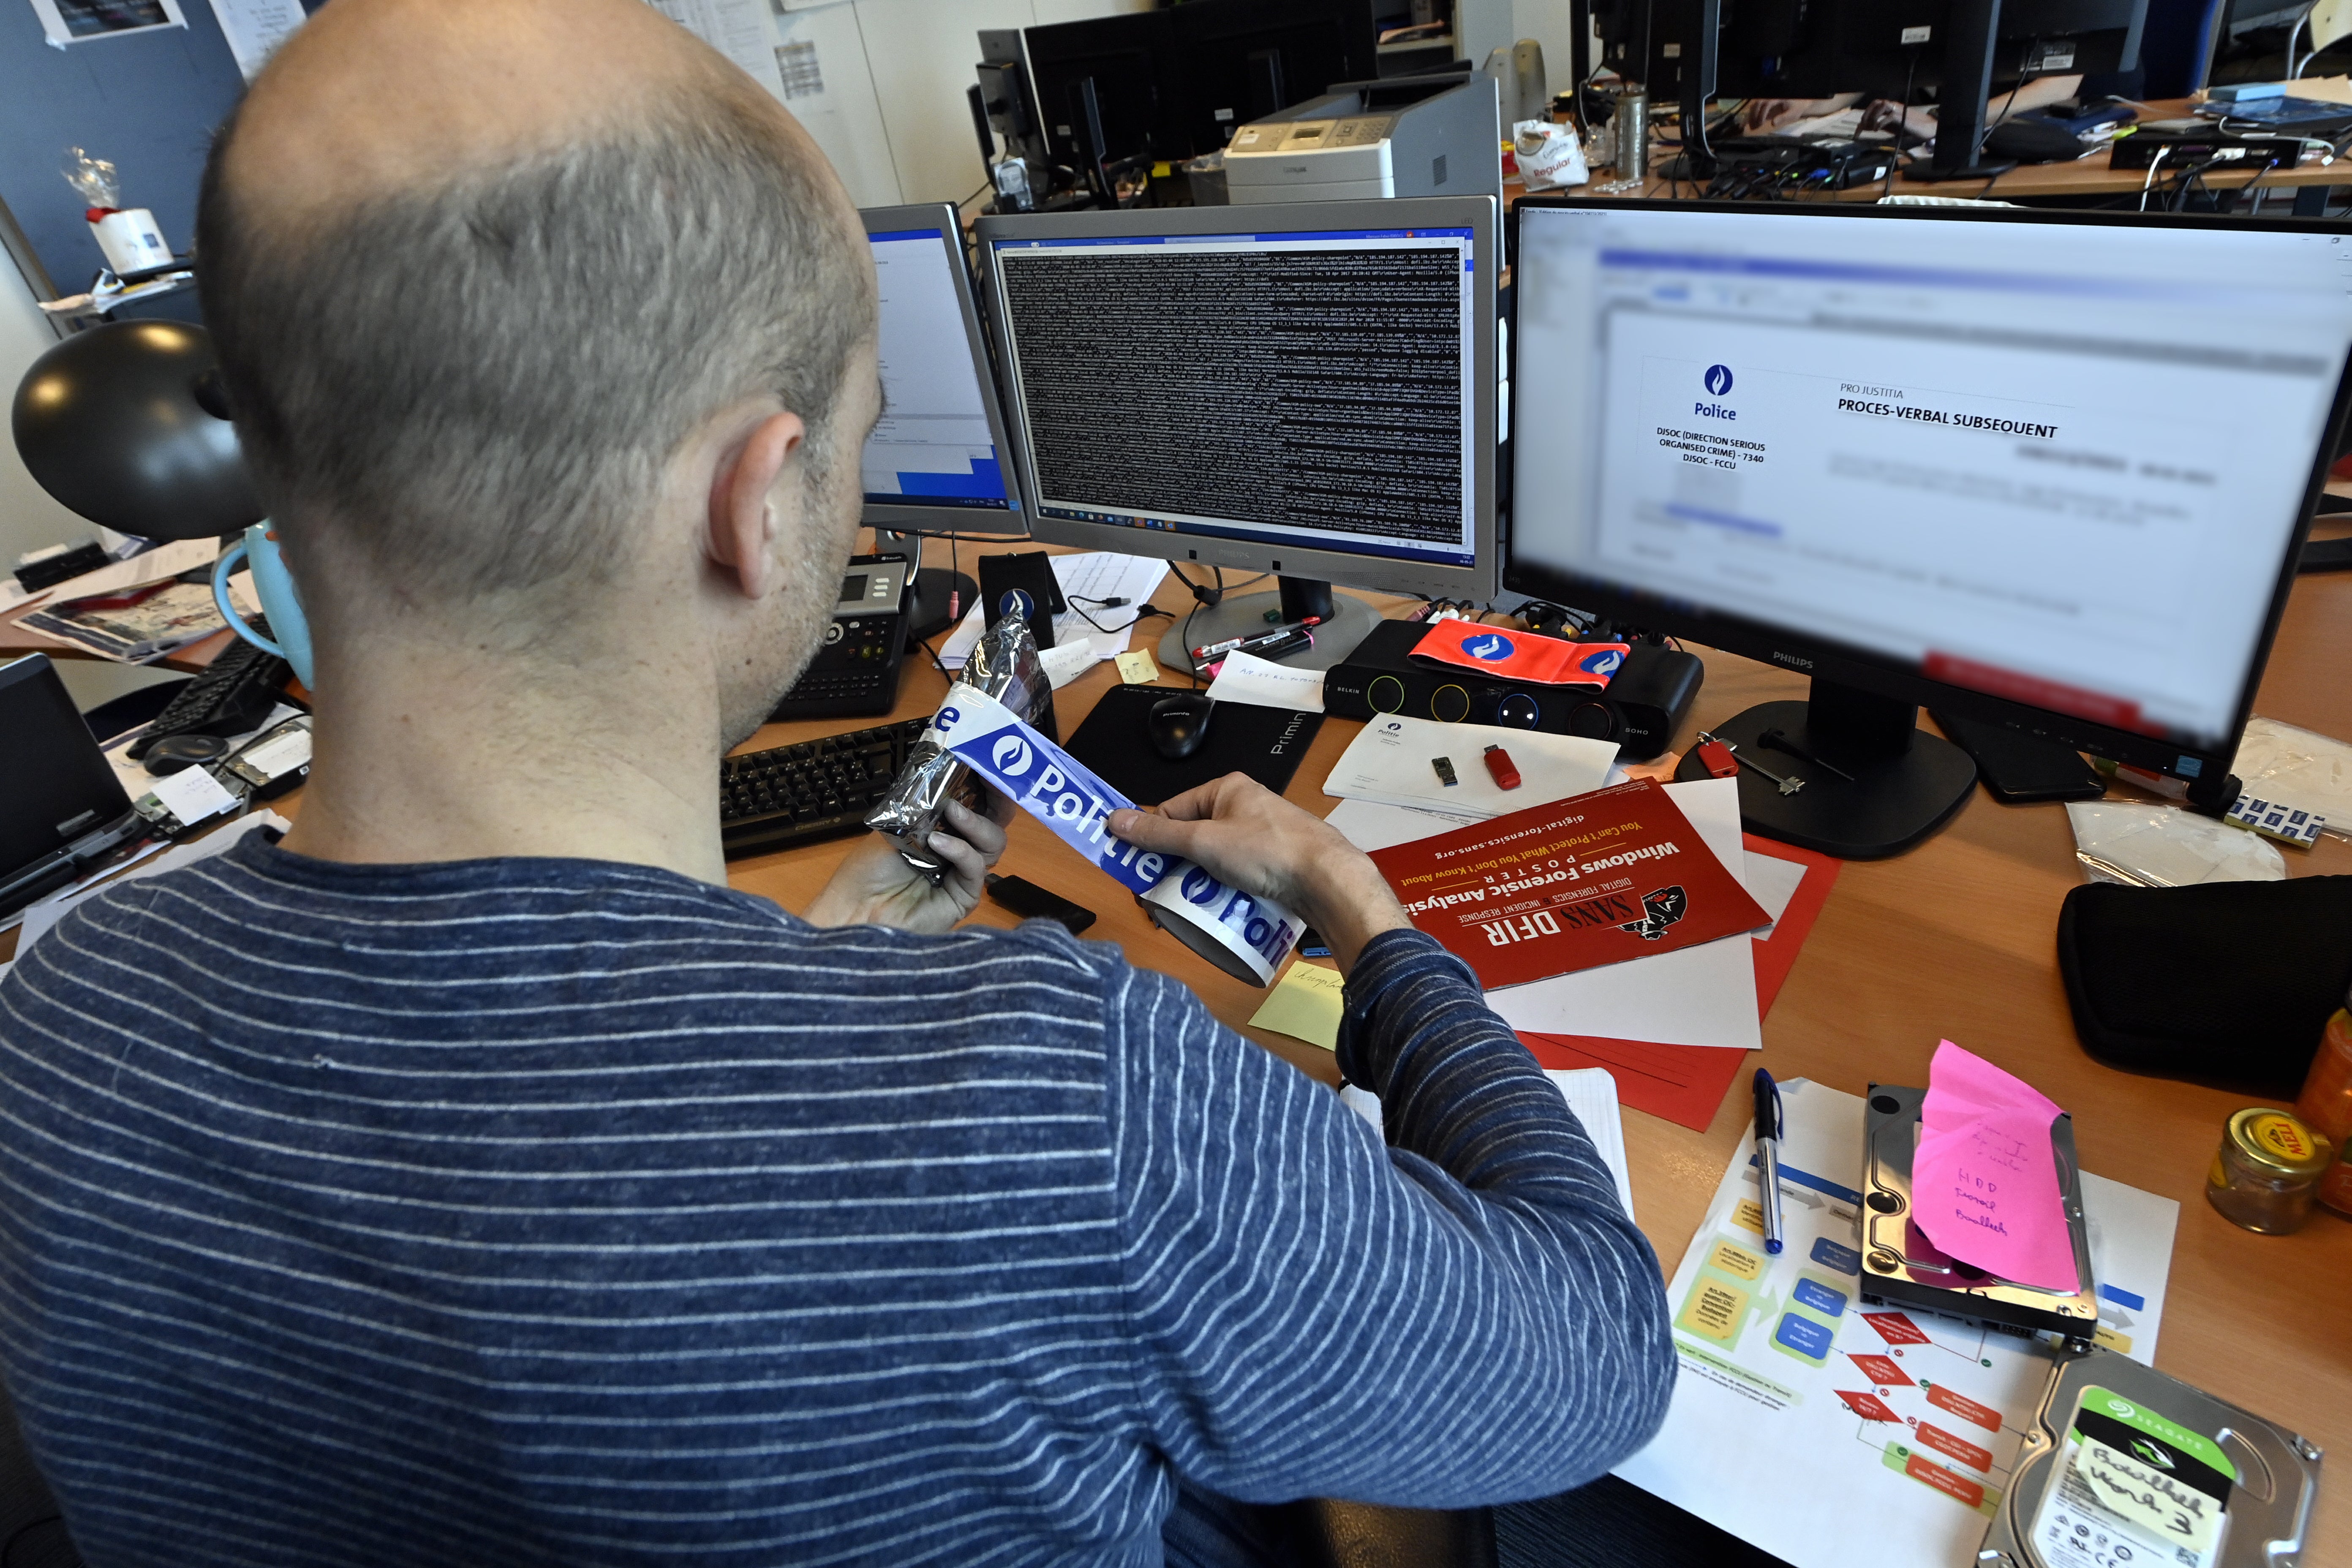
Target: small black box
1646, 698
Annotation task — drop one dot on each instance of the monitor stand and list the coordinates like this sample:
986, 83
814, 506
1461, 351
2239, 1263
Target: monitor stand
1907, 783
1346, 622
930, 609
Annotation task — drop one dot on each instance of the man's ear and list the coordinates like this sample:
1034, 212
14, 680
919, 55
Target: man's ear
744, 528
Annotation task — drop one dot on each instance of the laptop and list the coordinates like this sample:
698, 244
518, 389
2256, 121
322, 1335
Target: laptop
62, 810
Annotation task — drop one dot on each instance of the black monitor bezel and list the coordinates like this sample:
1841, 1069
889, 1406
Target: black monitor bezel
1373, 574
1824, 659
960, 522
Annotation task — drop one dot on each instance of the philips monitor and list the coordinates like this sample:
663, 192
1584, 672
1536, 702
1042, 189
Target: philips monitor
936, 462
1304, 389
2046, 470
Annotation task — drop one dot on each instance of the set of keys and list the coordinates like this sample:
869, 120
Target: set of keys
1723, 761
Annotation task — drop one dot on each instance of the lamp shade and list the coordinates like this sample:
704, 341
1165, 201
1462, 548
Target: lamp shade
119, 423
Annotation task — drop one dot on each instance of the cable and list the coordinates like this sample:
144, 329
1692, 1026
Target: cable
1895, 149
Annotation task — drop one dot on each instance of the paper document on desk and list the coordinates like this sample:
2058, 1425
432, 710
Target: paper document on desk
1591, 1092
1392, 760
1246, 678
1830, 1433
1091, 575
1703, 995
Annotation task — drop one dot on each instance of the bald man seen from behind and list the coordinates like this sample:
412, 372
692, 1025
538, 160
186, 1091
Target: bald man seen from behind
472, 1177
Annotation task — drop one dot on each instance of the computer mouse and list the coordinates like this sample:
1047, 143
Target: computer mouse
1180, 723
173, 752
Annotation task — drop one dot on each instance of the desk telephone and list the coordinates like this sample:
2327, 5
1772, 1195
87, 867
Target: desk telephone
856, 671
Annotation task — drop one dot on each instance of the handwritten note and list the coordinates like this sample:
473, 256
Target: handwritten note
1246, 678
2175, 1513
1305, 1004
1983, 1179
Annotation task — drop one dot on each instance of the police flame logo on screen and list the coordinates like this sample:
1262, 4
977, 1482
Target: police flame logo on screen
1719, 380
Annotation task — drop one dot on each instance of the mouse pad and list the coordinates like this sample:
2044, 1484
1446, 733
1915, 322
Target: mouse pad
1266, 743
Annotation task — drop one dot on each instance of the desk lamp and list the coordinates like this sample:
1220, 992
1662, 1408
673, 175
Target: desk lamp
128, 425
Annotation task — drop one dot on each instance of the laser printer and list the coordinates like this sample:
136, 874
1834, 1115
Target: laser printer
1434, 135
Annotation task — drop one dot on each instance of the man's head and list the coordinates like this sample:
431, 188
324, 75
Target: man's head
528, 305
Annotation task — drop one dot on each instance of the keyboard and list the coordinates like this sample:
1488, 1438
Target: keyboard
812, 790
235, 693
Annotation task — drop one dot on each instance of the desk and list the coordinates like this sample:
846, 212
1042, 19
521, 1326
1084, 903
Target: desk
2087, 178
1956, 939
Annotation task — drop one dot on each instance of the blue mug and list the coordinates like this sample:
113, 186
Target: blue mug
275, 586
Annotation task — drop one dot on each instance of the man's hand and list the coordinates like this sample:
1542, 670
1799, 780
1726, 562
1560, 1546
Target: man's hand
877, 886
1250, 839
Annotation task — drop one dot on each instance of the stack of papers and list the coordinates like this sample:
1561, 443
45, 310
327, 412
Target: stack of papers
1672, 1027
179, 615
1091, 575
1703, 995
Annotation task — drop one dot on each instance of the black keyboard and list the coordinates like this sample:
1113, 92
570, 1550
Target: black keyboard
816, 789
235, 693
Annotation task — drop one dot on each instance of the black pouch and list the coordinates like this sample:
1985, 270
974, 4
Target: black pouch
2232, 981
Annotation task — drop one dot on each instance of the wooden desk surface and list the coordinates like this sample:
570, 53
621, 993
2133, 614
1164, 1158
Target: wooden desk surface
2089, 176
1956, 940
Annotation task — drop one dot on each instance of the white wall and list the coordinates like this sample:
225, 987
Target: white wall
892, 113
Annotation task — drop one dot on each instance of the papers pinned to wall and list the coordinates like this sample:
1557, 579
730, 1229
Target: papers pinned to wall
65, 22
255, 28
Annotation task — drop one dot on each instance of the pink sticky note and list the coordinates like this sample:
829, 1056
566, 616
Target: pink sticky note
1984, 1184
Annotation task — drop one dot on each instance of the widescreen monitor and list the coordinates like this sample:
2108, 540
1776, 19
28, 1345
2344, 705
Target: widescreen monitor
2049, 469
936, 464
1305, 389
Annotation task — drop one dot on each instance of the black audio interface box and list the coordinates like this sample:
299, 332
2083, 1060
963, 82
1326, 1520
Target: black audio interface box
1643, 702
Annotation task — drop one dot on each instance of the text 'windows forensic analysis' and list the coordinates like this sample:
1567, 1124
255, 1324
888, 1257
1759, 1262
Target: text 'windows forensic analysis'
1307, 389
2055, 463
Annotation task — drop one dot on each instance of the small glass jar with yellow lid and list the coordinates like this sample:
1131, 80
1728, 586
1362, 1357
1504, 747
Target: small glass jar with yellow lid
2267, 1171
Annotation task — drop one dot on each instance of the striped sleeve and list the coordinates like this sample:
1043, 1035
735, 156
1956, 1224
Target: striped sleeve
1466, 1316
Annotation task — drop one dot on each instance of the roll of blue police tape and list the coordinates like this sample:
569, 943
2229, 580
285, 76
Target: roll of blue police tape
1246, 936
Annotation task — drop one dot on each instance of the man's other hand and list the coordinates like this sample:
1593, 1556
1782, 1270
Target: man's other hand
1250, 839
877, 886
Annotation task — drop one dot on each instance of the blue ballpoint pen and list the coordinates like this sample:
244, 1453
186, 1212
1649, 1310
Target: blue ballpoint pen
1767, 1153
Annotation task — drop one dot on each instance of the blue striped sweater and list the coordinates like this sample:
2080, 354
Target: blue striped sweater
566, 1211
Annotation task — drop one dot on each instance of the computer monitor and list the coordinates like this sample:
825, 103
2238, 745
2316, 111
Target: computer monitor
1126, 61
2050, 470
1239, 60
1307, 389
1952, 52
936, 462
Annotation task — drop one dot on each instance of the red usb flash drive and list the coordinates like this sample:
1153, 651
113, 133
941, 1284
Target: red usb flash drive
1498, 762
1717, 758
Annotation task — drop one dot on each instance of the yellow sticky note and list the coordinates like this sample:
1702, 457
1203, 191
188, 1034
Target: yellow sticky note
1136, 668
1305, 1004
1714, 1311
1736, 1262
